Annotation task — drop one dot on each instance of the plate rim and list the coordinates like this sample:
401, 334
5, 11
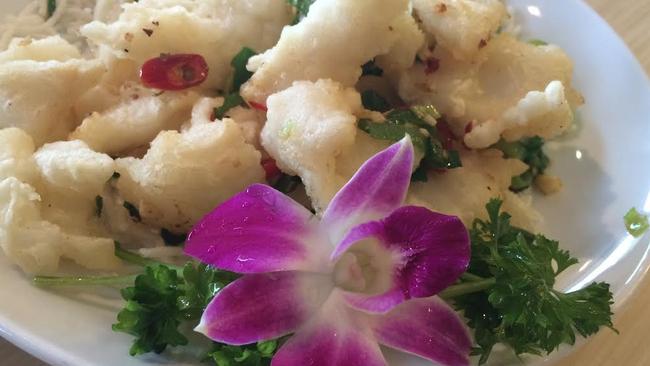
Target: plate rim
47, 352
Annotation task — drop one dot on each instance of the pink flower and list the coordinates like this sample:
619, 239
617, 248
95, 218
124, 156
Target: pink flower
364, 275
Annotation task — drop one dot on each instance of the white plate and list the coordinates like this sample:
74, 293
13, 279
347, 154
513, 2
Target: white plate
606, 170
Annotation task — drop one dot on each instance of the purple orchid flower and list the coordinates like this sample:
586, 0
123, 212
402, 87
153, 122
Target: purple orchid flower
340, 285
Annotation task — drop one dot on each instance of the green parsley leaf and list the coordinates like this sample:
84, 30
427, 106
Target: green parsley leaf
172, 239
151, 313
241, 73
162, 298
514, 301
373, 101
231, 101
159, 300
267, 348
258, 354
201, 283
99, 206
301, 8
530, 151
636, 223
537, 42
51, 8
133, 211
371, 68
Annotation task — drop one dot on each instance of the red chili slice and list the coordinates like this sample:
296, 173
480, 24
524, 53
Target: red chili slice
258, 106
271, 169
469, 127
445, 133
432, 65
174, 72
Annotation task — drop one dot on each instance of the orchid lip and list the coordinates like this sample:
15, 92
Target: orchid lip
365, 268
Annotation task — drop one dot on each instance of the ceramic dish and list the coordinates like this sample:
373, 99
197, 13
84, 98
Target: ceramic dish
604, 166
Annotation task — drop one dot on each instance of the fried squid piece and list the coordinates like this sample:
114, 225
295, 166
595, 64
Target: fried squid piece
41, 81
335, 39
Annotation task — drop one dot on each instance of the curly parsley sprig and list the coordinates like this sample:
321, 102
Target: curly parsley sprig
162, 298
508, 297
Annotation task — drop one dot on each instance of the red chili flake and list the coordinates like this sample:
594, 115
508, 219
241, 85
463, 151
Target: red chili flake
258, 106
432, 65
447, 137
271, 169
174, 72
469, 127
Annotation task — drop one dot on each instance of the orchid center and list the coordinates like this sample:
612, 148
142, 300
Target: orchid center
364, 268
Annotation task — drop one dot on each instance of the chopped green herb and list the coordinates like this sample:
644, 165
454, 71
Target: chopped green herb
374, 102
537, 42
427, 113
420, 115
530, 151
240, 76
636, 223
420, 123
301, 8
394, 132
51, 8
508, 295
287, 183
172, 239
371, 68
420, 174
99, 206
133, 211
230, 101
241, 73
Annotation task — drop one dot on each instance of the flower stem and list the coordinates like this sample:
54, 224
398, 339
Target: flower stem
471, 277
123, 280
467, 288
133, 258
50, 281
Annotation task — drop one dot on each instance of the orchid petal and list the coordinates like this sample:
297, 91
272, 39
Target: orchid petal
427, 252
378, 188
259, 230
428, 328
334, 337
264, 306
